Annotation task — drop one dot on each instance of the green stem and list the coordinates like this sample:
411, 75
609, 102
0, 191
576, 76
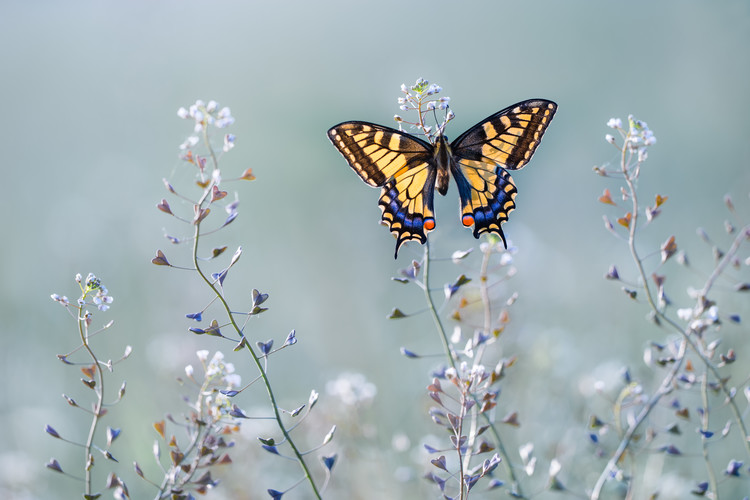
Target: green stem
742, 235
433, 311
450, 354
99, 390
256, 359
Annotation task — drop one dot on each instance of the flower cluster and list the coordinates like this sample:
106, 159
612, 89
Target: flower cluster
352, 389
101, 298
205, 115
638, 137
217, 370
207, 425
421, 97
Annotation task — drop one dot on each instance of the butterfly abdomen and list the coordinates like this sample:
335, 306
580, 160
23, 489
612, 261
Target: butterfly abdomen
442, 157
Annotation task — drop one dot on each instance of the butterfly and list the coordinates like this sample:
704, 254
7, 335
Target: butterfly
409, 169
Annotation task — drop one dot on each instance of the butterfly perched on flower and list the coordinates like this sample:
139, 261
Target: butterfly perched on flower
408, 169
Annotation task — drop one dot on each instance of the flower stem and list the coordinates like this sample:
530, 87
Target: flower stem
450, 354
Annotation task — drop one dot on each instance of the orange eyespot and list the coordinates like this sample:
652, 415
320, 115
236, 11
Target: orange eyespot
429, 224
467, 220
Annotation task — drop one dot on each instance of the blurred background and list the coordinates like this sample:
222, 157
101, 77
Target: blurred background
90, 92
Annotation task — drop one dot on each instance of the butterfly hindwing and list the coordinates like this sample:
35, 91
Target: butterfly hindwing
402, 165
504, 140
407, 204
486, 194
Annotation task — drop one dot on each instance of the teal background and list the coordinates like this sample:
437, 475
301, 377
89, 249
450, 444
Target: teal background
90, 91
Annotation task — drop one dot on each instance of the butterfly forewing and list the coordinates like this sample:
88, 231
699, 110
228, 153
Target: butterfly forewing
507, 138
378, 153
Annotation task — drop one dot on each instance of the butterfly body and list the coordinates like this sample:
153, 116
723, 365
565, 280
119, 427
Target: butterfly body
409, 169
443, 163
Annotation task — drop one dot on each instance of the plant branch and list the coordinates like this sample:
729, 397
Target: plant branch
256, 359
450, 354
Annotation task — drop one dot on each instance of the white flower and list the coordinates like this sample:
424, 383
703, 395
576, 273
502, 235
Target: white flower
62, 300
554, 467
189, 142
648, 138
233, 380
224, 118
202, 355
614, 123
352, 388
713, 314
102, 301
400, 442
526, 451
228, 142
685, 314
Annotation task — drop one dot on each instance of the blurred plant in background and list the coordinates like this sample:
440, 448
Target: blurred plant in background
690, 383
207, 426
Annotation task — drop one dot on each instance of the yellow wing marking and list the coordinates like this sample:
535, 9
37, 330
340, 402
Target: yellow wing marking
375, 154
